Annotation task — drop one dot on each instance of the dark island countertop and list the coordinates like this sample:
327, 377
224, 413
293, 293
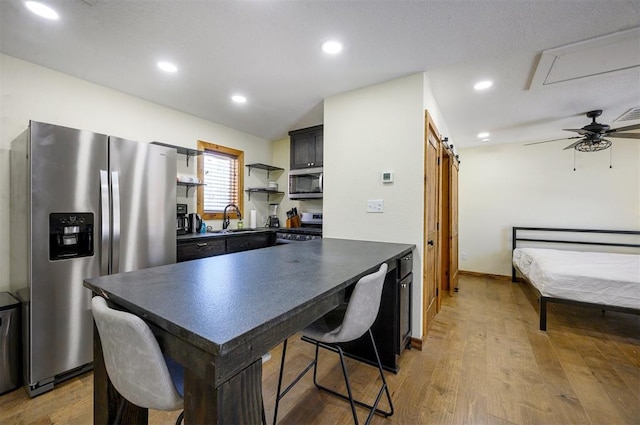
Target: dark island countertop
217, 302
217, 316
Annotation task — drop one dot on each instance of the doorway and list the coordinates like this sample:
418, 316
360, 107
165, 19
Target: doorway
431, 239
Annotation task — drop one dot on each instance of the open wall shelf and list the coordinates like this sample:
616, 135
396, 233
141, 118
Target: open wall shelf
268, 168
181, 150
268, 192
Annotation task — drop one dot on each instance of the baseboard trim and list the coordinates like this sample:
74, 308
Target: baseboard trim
416, 343
487, 275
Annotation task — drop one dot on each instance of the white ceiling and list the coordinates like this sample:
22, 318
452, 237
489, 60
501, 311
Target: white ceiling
270, 51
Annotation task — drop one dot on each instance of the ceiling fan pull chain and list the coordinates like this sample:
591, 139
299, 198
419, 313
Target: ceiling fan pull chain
574, 160
610, 157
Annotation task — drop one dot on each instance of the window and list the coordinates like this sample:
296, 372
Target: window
220, 169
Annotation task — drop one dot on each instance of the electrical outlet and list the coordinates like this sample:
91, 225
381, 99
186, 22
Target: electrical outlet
375, 206
464, 255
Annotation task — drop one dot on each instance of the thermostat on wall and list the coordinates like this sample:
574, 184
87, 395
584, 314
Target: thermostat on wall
387, 177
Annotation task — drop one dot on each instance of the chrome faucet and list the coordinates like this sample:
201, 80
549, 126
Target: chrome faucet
225, 219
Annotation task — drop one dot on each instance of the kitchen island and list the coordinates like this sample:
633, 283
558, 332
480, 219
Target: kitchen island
217, 316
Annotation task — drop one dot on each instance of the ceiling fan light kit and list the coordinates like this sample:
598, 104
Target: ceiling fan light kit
592, 135
589, 146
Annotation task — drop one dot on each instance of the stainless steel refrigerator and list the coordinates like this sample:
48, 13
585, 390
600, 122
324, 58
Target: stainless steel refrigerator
83, 204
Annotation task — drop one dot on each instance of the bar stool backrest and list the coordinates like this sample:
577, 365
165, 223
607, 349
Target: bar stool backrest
133, 359
363, 307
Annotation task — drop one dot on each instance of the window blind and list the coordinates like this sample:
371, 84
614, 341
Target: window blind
221, 181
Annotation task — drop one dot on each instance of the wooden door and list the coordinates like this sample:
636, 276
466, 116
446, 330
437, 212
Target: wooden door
431, 237
453, 226
445, 221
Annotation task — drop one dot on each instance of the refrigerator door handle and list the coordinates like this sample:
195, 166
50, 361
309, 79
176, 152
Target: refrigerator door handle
115, 191
104, 218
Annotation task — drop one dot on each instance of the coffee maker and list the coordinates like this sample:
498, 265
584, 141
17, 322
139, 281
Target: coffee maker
273, 220
195, 222
182, 221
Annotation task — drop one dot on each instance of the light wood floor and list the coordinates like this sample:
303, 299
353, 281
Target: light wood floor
484, 362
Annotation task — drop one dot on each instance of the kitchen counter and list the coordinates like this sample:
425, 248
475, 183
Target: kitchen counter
218, 315
220, 234
301, 230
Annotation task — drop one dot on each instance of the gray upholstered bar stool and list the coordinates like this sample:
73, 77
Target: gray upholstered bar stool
346, 323
135, 365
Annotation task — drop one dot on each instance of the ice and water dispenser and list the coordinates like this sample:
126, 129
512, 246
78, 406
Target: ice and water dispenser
71, 235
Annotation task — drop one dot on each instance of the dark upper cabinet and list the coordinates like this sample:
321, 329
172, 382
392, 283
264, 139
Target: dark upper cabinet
306, 147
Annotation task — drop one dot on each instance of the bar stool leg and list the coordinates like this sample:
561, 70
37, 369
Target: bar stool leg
278, 395
346, 381
384, 388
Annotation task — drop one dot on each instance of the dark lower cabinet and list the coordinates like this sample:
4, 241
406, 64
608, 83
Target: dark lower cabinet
392, 328
247, 242
202, 247
405, 288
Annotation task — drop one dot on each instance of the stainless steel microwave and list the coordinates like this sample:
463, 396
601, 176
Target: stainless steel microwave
305, 183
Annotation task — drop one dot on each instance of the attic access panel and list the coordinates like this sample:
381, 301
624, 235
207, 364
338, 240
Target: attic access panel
610, 53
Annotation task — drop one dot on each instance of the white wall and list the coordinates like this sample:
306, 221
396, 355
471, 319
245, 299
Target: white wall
431, 105
29, 91
368, 131
515, 185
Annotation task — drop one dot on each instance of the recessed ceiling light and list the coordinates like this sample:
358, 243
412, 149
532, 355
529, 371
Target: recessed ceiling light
167, 67
483, 85
483, 135
332, 47
238, 98
486, 140
41, 10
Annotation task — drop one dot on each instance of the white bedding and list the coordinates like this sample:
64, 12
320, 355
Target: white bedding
594, 277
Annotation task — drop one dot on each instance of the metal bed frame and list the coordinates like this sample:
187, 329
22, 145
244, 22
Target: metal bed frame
543, 300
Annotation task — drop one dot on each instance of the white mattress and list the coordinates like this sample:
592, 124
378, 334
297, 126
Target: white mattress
594, 277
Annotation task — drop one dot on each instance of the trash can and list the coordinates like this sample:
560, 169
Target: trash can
10, 361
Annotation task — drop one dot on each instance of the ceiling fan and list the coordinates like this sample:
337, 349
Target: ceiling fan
592, 136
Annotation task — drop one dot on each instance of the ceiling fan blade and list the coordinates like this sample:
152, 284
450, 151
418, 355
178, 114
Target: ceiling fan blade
624, 135
579, 130
627, 128
573, 145
554, 140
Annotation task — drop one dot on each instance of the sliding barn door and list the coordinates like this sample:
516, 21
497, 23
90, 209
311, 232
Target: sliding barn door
431, 237
445, 221
453, 226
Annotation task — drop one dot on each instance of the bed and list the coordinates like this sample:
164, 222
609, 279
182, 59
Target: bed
561, 274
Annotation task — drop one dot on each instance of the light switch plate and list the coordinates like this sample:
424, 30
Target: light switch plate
375, 206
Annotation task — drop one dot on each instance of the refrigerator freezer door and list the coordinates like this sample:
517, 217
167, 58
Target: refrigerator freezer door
65, 178
146, 194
